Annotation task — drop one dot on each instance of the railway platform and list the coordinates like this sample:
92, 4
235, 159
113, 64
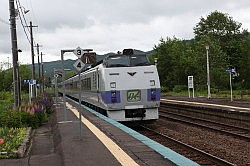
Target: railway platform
240, 105
218, 109
107, 142
101, 141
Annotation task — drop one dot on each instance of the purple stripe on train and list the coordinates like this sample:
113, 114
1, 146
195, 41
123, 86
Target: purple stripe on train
110, 97
153, 94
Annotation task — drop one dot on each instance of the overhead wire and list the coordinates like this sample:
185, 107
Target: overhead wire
33, 12
34, 16
23, 12
21, 19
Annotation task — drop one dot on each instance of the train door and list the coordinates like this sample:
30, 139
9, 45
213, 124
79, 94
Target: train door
97, 85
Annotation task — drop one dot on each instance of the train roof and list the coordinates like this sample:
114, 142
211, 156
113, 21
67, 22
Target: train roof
125, 52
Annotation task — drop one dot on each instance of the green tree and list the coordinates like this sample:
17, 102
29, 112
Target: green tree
6, 78
175, 61
217, 63
244, 68
228, 33
167, 56
25, 74
69, 74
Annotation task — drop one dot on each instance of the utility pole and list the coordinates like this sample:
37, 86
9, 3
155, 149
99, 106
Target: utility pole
32, 56
38, 61
208, 74
14, 53
42, 73
8, 63
39, 66
32, 50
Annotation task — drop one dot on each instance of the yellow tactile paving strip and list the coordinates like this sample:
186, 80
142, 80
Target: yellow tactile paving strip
117, 152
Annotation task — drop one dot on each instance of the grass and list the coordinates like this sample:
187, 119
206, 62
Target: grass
13, 138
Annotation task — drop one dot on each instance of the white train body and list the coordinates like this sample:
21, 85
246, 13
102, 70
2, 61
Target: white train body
122, 92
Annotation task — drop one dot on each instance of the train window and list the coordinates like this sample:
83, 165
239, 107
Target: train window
139, 60
86, 84
126, 60
118, 61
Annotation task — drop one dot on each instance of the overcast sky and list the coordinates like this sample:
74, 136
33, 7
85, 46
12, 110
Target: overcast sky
109, 25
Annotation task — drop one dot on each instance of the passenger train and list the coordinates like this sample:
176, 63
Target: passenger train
123, 86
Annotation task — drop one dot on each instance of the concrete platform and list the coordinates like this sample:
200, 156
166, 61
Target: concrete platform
140, 148
103, 142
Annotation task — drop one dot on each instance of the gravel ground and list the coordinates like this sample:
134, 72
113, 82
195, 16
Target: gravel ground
231, 149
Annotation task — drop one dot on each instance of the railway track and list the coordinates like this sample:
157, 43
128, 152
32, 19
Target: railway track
197, 155
234, 131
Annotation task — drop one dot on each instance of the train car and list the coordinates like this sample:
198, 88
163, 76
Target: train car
123, 86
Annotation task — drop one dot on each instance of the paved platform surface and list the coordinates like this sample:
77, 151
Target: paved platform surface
58, 143
94, 152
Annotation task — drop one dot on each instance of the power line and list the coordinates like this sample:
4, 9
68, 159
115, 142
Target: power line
33, 11
23, 12
19, 6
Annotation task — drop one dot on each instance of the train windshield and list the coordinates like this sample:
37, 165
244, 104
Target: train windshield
139, 60
118, 61
127, 61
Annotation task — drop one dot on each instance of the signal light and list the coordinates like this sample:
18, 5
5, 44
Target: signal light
89, 58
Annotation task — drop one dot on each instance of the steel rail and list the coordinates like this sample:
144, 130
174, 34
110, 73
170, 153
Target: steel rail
210, 157
207, 127
205, 120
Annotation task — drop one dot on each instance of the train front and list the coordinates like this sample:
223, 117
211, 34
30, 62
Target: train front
131, 89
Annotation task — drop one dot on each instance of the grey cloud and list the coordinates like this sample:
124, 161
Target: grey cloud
112, 24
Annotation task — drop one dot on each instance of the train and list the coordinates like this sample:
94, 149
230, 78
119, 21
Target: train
123, 86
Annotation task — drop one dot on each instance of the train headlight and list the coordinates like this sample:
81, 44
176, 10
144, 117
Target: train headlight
152, 82
153, 94
113, 94
113, 85
113, 97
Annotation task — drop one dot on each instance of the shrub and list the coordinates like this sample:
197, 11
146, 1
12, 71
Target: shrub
180, 88
11, 139
15, 119
4, 95
6, 100
164, 89
35, 110
45, 101
28, 114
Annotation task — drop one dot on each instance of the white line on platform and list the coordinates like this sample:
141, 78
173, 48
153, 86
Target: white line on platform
62, 122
